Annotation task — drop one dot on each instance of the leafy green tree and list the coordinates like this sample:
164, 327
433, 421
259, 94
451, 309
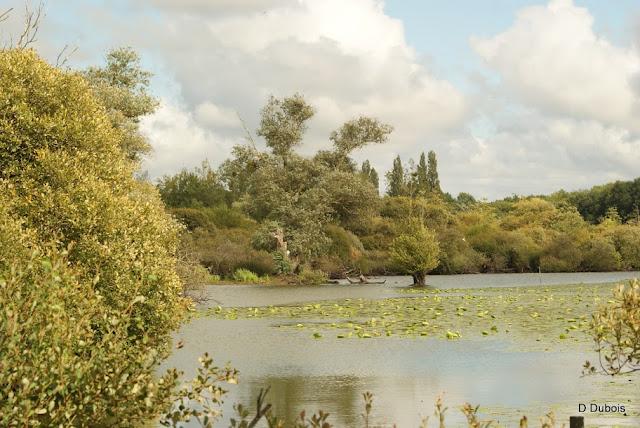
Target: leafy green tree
422, 176
626, 239
374, 179
370, 174
433, 182
200, 187
122, 86
465, 201
283, 123
359, 132
416, 252
396, 184
350, 198
600, 255
87, 259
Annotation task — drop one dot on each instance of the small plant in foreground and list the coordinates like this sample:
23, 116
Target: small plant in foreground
205, 393
615, 328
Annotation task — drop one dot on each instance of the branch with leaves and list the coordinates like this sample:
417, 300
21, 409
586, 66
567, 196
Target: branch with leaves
616, 332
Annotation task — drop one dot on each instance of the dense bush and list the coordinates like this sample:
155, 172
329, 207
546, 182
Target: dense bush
226, 250
312, 277
245, 275
88, 271
600, 255
193, 218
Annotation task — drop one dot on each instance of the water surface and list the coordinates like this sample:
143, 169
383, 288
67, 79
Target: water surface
405, 374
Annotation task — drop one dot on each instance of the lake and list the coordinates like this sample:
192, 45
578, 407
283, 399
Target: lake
524, 366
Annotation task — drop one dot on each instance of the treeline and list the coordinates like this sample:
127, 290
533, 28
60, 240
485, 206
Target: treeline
275, 212
593, 204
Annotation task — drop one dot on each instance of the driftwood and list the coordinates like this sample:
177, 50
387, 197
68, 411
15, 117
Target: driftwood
363, 280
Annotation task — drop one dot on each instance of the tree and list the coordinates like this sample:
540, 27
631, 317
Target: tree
87, 259
416, 252
200, 187
422, 184
370, 174
359, 132
396, 185
283, 123
433, 182
122, 88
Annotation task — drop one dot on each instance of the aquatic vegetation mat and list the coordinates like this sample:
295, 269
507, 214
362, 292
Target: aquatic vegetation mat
534, 318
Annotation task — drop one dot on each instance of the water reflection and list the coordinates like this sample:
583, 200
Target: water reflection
406, 375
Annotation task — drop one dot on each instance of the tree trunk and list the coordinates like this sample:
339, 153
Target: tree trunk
419, 279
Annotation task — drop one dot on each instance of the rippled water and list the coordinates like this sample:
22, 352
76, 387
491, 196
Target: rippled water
405, 375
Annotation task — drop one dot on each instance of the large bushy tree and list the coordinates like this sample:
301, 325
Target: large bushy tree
416, 252
87, 271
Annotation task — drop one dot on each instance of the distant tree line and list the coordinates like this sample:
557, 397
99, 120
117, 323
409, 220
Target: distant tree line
329, 215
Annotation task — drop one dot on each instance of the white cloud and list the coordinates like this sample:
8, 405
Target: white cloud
179, 142
216, 116
561, 115
551, 58
347, 58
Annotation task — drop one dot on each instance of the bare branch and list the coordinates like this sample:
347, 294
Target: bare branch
64, 55
5, 15
246, 130
31, 26
261, 410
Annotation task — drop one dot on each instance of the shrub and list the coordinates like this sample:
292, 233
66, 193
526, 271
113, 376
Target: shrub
224, 216
101, 375
344, 244
93, 284
600, 255
226, 250
312, 277
282, 264
193, 218
626, 239
615, 328
245, 275
561, 254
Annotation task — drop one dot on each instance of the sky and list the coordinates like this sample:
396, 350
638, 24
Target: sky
514, 96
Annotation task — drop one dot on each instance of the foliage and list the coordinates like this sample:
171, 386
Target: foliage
396, 184
225, 250
433, 182
283, 123
594, 203
205, 390
416, 252
282, 264
122, 86
370, 174
359, 132
615, 328
245, 275
200, 187
66, 358
88, 262
312, 277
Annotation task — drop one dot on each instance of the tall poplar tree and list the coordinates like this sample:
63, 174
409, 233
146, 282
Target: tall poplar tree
370, 174
433, 182
422, 186
396, 179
